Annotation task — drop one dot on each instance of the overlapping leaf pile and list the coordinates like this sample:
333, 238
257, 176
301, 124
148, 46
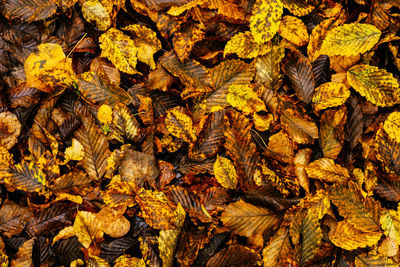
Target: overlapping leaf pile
199, 133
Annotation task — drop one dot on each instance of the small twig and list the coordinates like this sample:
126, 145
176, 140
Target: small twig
72, 50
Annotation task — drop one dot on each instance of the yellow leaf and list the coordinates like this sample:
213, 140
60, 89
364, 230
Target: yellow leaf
49, 68
119, 49
265, 20
299, 128
392, 126
390, 223
104, 114
177, 10
69, 197
327, 170
87, 228
10, 128
225, 172
113, 223
331, 131
330, 94
299, 8
244, 46
377, 85
262, 122
74, 152
146, 43
168, 238
301, 160
345, 236
280, 147
294, 30
128, 261
98, 11
244, 98
249, 220
180, 125
157, 210
350, 39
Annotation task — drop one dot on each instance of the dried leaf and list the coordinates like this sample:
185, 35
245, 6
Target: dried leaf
225, 172
377, 85
330, 94
294, 30
32, 10
49, 67
99, 12
265, 20
350, 39
180, 125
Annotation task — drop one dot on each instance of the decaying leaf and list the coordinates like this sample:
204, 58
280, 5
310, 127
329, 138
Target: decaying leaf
199, 133
120, 50
377, 85
98, 11
225, 172
10, 128
330, 94
180, 125
49, 67
265, 20
327, 170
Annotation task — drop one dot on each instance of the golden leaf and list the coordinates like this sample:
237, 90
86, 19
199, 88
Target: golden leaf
24, 255
331, 131
157, 210
99, 12
146, 43
10, 128
359, 212
128, 261
265, 20
49, 67
178, 10
294, 30
299, 7
280, 147
317, 36
120, 50
87, 228
301, 160
184, 41
345, 236
248, 220
104, 114
262, 122
244, 45
180, 125
300, 129
327, 170
74, 152
392, 126
377, 85
112, 221
168, 238
390, 223
350, 39
278, 250
330, 94
225, 172
244, 98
